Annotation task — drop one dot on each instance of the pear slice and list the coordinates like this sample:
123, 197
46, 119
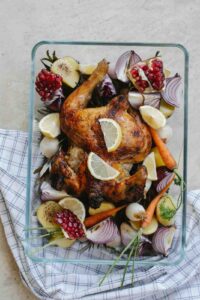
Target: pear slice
67, 67
45, 215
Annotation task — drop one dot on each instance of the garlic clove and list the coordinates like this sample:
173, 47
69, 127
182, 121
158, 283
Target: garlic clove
127, 233
49, 146
165, 133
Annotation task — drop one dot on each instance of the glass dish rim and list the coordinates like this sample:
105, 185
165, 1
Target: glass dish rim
30, 127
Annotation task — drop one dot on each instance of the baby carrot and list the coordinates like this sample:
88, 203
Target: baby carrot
93, 220
152, 206
163, 150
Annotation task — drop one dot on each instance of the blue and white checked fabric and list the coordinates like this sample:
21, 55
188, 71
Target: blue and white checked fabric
67, 281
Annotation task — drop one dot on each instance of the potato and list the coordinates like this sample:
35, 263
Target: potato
166, 210
103, 207
150, 229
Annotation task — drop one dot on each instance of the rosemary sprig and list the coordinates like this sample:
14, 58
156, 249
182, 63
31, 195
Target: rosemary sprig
135, 240
50, 59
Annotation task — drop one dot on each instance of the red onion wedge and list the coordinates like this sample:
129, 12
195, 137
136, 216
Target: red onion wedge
111, 71
125, 61
164, 181
107, 89
102, 233
137, 99
162, 239
49, 193
171, 92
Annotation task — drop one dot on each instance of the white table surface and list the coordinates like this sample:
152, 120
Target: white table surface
23, 23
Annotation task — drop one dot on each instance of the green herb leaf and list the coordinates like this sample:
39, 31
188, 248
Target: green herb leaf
166, 212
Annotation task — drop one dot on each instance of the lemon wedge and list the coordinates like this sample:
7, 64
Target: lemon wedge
87, 69
150, 164
50, 125
158, 158
75, 205
100, 169
112, 133
152, 116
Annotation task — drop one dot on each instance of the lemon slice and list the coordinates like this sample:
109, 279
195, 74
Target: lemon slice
150, 164
75, 205
87, 68
100, 169
112, 133
50, 125
152, 116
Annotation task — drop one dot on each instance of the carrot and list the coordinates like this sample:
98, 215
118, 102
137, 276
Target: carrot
152, 206
93, 220
163, 150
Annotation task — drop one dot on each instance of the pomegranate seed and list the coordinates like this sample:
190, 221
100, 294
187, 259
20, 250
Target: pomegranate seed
134, 73
47, 83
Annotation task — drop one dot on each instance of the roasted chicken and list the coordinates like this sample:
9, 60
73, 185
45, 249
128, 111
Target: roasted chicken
81, 126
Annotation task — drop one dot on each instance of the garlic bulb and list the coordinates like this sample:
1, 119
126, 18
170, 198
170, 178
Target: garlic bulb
135, 212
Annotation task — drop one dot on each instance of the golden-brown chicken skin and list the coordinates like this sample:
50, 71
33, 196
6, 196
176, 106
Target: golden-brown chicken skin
81, 126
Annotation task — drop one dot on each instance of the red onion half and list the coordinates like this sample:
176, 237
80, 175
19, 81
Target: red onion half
162, 239
170, 93
102, 233
125, 61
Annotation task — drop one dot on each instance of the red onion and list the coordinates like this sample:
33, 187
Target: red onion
111, 71
102, 233
107, 89
49, 193
125, 61
170, 93
116, 240
162, 239
162, 184
136, 99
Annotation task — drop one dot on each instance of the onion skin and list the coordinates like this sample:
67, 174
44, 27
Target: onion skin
116, 241
162, 184
160, 241
125, 61
102, 233
170, 93
49, 193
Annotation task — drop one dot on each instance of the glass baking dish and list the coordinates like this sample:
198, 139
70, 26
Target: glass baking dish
175, 58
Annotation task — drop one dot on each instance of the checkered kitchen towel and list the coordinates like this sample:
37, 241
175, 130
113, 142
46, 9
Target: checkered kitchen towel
67, 281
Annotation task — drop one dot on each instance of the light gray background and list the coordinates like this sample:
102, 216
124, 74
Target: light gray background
23, 23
